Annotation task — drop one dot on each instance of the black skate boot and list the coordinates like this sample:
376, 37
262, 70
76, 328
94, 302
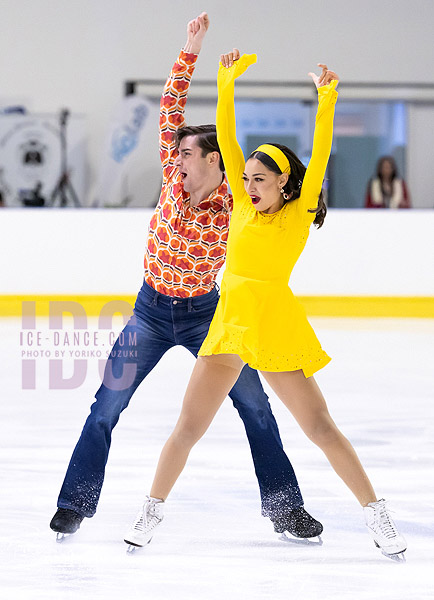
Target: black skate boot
65, 521
298, 523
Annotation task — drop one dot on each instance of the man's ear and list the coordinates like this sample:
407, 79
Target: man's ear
213, 158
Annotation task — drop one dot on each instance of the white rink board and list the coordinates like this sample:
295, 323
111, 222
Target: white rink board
356, 252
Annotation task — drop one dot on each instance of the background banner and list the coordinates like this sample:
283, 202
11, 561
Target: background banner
30, 158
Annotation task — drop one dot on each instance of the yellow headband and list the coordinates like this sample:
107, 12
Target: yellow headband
277, 155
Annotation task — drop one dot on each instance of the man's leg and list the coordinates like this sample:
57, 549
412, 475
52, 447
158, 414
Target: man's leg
138, 349
278, 484
281, 497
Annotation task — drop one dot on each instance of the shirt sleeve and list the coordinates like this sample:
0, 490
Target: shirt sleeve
322, 144
172, 108
230, 149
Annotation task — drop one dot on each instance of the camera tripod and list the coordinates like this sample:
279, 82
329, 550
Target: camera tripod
64, 187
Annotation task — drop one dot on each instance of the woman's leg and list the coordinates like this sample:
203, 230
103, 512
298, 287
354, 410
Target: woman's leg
304, 399
210, 382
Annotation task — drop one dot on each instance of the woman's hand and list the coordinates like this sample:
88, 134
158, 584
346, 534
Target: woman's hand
232, 65
325, 77
228, 59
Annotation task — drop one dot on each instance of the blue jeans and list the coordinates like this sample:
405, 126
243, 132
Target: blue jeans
160, 322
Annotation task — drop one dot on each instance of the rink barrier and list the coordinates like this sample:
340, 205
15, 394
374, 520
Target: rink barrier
315, 306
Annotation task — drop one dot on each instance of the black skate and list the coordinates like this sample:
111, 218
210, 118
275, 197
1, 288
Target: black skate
65, 521
300, 524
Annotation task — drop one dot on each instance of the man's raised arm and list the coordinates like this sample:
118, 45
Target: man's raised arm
174, 97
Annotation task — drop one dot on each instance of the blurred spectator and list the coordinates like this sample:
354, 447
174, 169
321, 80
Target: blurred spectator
387, 189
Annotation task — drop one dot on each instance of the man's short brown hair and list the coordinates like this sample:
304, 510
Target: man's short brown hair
206, 136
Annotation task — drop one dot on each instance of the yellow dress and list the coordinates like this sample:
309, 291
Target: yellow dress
257, 316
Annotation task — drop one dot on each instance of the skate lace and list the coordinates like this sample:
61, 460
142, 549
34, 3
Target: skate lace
385, 523
147, 517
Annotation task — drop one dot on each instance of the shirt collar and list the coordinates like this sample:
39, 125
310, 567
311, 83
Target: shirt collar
218, 199
219, 196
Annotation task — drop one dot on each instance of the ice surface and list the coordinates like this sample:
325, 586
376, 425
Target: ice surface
214, 544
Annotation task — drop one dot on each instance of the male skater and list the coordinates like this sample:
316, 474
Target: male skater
186, 248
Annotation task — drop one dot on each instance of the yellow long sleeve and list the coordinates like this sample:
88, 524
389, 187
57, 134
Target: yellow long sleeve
322, 144
232, 154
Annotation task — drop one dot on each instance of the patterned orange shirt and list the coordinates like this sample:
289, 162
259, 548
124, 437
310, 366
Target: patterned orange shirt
186, 245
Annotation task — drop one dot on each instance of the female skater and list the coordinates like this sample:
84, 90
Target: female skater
258, 321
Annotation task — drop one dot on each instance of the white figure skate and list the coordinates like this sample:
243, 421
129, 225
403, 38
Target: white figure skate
384, 531
145, 524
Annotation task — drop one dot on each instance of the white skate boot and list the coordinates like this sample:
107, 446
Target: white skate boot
383, 530
145, 524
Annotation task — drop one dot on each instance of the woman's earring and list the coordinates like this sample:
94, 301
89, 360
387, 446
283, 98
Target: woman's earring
285, 195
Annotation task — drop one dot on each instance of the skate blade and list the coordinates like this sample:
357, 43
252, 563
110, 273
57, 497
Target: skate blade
289, 539
62, 537
398, 557
133, 547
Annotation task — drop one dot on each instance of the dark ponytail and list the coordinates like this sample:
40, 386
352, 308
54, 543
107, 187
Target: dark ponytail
295, 179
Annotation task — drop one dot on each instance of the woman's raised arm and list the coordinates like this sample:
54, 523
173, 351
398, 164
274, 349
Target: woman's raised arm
326, 83
231, 67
